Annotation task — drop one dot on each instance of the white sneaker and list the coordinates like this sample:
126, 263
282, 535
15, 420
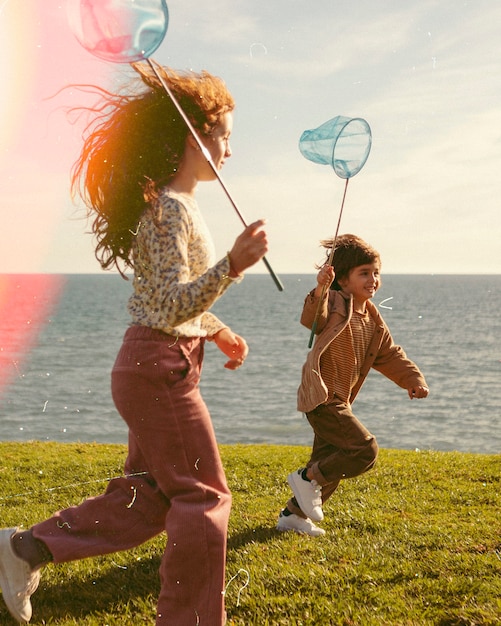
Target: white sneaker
298, 525
308, 494
17, 580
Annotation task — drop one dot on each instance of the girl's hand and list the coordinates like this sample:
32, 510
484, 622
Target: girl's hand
325, 278
418, 392
234, 346
249, 248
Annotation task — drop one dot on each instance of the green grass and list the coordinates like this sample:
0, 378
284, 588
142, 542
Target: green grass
415, 542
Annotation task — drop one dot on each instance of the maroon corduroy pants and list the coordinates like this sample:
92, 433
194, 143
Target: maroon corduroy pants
174, 481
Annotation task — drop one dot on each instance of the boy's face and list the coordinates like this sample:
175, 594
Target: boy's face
363, 281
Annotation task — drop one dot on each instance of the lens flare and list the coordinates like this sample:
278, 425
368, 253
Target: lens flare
26, 302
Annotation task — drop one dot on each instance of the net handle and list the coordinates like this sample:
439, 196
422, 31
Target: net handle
207, 155
329, 262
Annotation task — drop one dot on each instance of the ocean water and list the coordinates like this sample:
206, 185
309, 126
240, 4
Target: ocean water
449, 325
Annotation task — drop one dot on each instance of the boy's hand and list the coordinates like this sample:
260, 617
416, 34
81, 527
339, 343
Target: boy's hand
325, 278
234, 346
418, 392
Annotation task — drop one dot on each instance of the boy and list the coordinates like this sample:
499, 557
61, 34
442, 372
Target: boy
351, 338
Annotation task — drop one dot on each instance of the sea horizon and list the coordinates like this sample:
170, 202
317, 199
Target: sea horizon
59, 338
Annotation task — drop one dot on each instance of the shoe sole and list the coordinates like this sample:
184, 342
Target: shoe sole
298, 532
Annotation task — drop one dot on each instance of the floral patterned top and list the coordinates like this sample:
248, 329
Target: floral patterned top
175, 278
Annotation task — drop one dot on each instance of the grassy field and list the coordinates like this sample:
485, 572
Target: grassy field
417, 541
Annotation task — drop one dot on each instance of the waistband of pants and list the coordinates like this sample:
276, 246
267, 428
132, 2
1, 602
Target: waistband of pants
137, 331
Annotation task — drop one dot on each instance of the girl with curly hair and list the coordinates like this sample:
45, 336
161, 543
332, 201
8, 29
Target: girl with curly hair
137, 174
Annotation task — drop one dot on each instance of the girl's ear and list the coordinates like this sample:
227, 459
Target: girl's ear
191, 141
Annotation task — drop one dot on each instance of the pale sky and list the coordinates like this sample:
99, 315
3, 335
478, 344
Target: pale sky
425, 75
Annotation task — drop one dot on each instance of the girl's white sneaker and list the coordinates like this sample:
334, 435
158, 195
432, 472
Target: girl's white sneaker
17, 580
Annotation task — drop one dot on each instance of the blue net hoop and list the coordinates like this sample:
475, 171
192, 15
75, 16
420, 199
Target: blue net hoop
121, 31
343, 143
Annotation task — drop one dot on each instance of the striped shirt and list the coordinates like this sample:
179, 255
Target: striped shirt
341, 362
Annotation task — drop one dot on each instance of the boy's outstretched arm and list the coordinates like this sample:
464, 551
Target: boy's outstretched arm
418, 391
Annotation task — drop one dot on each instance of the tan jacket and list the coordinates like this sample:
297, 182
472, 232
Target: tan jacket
383, 355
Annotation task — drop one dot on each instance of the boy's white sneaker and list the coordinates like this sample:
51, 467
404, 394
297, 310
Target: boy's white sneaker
17, 580
298, 525
308, 494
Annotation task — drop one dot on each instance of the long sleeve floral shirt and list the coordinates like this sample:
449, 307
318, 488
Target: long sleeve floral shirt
176, 279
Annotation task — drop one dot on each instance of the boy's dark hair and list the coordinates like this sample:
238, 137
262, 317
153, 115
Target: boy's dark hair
350, 252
